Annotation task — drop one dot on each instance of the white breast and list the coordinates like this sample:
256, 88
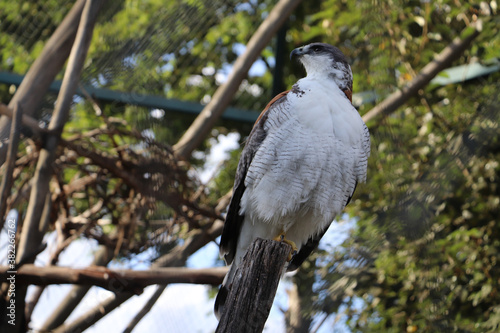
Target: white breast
325, 108
308, 165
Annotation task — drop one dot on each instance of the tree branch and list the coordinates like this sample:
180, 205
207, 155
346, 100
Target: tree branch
26, 119
94, 315
145, 309
199, 238
38, 210
197, 132
440, 62
176, 257
43, 71
5, 187
102, 257
113, 280
33, 230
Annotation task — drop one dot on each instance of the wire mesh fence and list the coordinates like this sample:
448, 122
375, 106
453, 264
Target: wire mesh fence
180, 50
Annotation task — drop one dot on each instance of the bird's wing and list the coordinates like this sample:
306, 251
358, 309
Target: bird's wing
234, 220
305, 250
311, 244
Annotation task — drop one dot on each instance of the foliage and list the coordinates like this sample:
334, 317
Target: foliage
141, 47
423, 254
21, 46
429, 244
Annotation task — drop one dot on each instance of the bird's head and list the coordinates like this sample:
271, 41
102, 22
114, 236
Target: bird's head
320, 59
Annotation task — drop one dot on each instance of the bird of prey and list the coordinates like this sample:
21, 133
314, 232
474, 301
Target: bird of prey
301, 163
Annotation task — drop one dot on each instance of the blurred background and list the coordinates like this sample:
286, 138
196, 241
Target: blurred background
417, 249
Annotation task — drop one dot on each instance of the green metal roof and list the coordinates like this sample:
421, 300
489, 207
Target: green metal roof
463, 73
154, 102
449, 76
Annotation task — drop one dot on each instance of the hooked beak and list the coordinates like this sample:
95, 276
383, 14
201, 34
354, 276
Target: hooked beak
298, 52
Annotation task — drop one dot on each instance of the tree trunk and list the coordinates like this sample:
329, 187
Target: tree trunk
297, 317
252, 293
294, 318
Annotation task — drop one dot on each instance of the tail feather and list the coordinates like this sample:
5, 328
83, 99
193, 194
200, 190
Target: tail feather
220, 300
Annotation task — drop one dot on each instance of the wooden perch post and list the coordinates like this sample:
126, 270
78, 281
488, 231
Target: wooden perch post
251, 296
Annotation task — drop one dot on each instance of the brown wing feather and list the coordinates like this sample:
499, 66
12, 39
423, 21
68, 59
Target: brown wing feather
348, 93
234, 221
274, 100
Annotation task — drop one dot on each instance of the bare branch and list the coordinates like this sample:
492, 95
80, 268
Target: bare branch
176, 257
102, 257
43, 71
94, 315
199, 238
145, 309
26, 119
38, 211
5, 188
440, 62
121, 279
222, 97
54, 257
33, 229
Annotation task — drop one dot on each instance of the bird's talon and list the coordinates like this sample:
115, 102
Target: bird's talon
281, 238
291, 255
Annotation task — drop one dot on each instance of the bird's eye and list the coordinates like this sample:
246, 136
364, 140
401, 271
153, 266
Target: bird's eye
316, 48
